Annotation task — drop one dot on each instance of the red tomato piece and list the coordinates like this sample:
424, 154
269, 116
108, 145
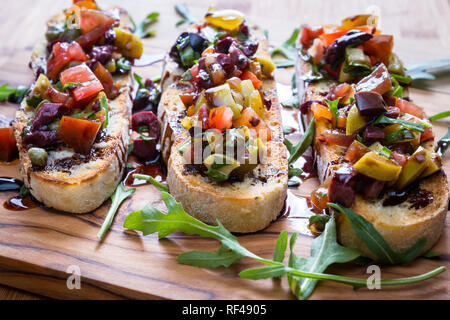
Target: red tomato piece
78, 133
248, 75
221, 118
203, 116
308, 34
7, 144
380, 46
90, 38
91, 19
56, 96
83, 75
62, 54
409, 107
106, 79
251, 120
427, 135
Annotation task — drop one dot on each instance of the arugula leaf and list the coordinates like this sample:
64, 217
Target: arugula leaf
104, 105
141, 29
14, 95
24, 191
116, 200
151, 180
288, 50
325, 251
443, 143
139, 80
292, 183
375, 242
295, 172
401, 79
333, 105
151, 220
319, 220
280, 247
431, 255
357, 68
293, 102
183, 10
440, 116
407, 124
123, 64
76, 84
420, 70
303, 144
399, 135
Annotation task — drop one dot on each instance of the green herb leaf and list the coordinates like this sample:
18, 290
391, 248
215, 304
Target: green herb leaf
357, 68
141, 29
399, 135
263, 273
333, 105
294, 182
443, 143
287, 50
16, 94
104, 105
303, 144
122, 64
151, 180
76, 84
325, 251
280, 247
116, 200
431, 255
420, 70
319, 220
401, 79
440, 116
408, 125
24, 191
139, 80
150, 220
183, 10
375, 242
295, 172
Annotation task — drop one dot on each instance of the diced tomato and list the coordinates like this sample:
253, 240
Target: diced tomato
342, 91
88, 4
7, 144
409, 107
90, 38
187, 99
106, 80
427, 135
334, 73
83, 75
221, 118
380, 46
336, 138
250, 119
207, 51
78, 133
91, 19
56, 96
401, 158
342, 121
247, 75
308, 34
62, 54
320, 111
329, 38
194, 71
317, 51
203, 116
355, 151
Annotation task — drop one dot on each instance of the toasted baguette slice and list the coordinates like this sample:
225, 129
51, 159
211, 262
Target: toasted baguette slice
72, 182
246, 206
401, 225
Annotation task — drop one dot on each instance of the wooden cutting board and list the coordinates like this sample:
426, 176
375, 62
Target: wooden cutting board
37, 246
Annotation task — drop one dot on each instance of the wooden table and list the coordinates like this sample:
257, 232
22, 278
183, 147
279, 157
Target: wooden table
421, 30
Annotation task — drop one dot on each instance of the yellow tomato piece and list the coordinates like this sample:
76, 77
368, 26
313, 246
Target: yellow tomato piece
355, 121
414, 167
227, 19
255, 102
128, 44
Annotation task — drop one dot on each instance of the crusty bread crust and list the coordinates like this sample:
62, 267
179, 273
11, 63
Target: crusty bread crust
401, 226
69, 183
247, 206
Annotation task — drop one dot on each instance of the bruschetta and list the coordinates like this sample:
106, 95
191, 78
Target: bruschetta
374, 148
221, 137
72, 129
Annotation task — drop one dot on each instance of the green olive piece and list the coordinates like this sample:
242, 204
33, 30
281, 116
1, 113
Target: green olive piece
38, 156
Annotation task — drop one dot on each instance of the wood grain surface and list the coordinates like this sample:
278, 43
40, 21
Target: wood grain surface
37, 246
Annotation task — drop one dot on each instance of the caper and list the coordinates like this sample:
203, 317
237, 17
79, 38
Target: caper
38, 156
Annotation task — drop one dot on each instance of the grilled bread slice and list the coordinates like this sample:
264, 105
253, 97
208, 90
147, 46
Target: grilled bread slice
401, 225
72, 182
246, 206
